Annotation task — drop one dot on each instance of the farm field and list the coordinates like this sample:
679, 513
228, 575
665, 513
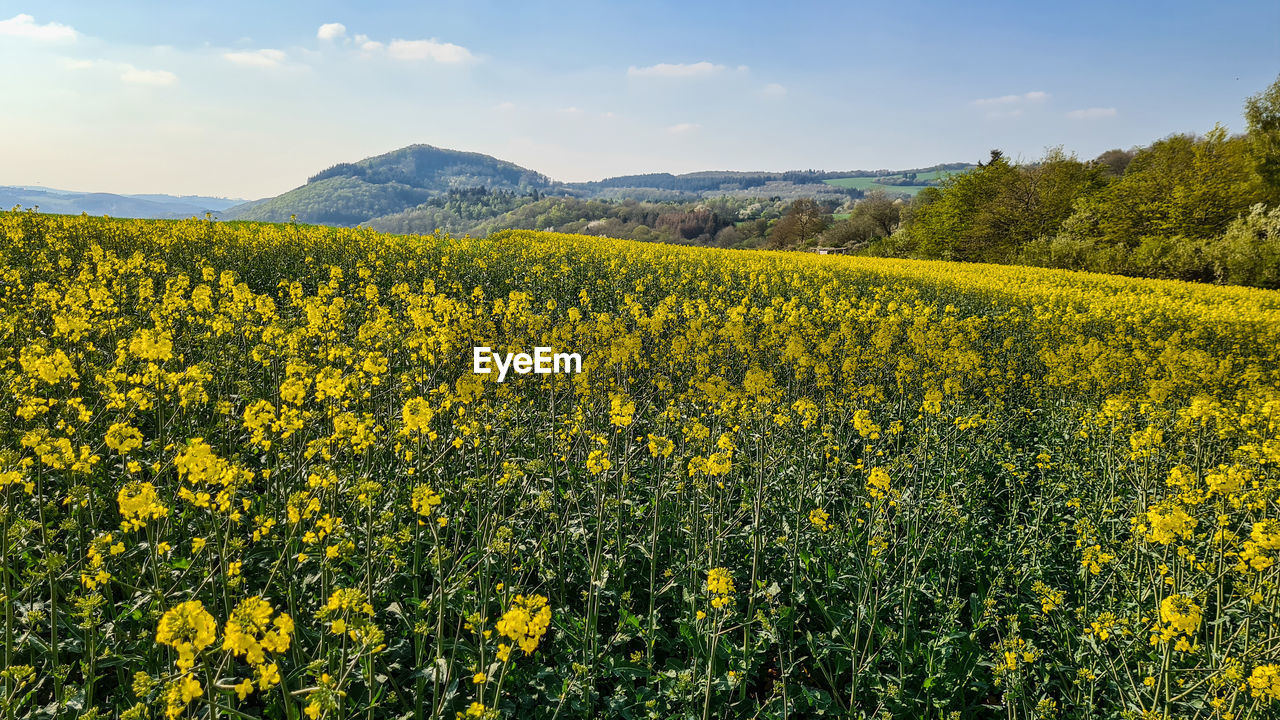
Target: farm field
246, 471
873, 183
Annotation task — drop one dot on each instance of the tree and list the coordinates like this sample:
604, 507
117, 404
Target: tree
1249, 252
958, 222
872, 218
1262, 112
728, 236
1114, 162
803, 221
1180, 186
882, 212
991, 213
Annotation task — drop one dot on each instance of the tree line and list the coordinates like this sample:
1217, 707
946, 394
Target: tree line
1189, 207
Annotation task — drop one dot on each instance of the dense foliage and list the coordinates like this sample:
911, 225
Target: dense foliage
723, 222
457, 211
247, 472
1173, 209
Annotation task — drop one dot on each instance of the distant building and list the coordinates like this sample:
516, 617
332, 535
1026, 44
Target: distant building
830, 250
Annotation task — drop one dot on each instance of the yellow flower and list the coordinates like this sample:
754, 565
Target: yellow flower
189, 629
1165, 523
191, 689
152, 345
932, 402
250, 632
597, 462
330, 384
621, 410
1264, 682
268, 676
660, 446
878, 483
1050, 599
139, 503
123, 437
48, 367
526, 621
818, 518
1181, 613
424, 500
720, 586
417, 415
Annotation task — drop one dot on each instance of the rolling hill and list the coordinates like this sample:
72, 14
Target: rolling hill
152, 206
351, 193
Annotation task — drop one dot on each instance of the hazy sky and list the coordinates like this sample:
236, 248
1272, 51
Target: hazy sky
246, 99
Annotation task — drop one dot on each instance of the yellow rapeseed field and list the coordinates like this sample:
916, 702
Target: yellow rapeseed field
247, 471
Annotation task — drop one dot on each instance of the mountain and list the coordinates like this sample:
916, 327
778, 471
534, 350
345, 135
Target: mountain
422, 187
68, 202
352, 193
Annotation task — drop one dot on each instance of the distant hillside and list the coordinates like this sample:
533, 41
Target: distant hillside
352, 193
409, 190
154, 206
722, 182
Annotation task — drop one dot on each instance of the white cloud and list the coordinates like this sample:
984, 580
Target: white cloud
371, 45
25, 26
434, 50
505, 106
331, 31
127, 72
256, 58
773, 90
1090, 113
683, 128
676, 70
159, 78
571, 111
1033, 96
1002, 100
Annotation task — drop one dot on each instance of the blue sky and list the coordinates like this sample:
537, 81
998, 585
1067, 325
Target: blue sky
248, 99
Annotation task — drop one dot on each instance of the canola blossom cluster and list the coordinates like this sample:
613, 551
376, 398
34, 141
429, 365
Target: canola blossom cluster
247, 471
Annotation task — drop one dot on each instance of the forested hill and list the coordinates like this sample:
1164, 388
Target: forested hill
352, 193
